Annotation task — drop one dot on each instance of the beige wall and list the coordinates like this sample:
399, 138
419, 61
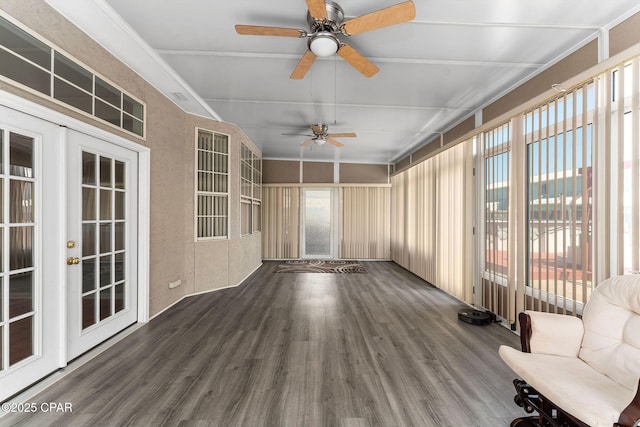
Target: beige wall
174, 255
280, 171
317, 172
288, 172
356, 173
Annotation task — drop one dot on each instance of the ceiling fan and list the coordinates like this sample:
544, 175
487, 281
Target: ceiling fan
321, 135
326, 23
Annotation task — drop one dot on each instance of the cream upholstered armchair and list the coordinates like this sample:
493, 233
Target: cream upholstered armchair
581, 372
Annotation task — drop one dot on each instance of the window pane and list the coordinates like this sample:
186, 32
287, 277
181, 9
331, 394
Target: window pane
105, 204
88, 168
132, 125
119, 298
72, 72
20, 340
105, 270
20, 294
119, 205
132, 107
88, 310
120, 175
107, 113
22, 72
119, 236
105, 238
105, 303
89, 237
107, 93
89, 275
20, 247
245, 218
88, 204
21, 199
24, 44
21, 155
63, 91
105, 172
497, 213
119, 267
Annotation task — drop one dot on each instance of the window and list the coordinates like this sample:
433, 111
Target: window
496, 152
212, 185
251, 191
559, 137
27, 61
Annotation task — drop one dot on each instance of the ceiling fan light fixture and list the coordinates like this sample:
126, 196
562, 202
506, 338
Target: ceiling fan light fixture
324, 44
319, 141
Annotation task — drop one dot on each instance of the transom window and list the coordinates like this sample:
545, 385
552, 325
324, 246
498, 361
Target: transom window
28, 61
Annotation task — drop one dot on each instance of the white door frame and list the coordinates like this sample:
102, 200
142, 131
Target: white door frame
28, 107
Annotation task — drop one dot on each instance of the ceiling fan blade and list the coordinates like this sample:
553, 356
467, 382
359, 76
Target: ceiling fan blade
401, 12
307, 142
296, 134
342, 135
317, 129
334, 142
317, 9
303, 66
358, 61
257, 30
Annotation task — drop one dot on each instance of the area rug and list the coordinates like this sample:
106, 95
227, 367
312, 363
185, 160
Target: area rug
319, 266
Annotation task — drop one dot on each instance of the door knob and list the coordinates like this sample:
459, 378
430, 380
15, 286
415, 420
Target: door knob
73, 260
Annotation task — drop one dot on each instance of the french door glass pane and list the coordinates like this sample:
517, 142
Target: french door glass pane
20, 340
20, 294
21, 155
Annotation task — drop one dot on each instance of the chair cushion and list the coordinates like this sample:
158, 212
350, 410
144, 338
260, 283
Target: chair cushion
572, 385
611, 318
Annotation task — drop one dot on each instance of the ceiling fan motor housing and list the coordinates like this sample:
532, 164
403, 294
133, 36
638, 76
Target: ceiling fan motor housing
335, 16
324, 41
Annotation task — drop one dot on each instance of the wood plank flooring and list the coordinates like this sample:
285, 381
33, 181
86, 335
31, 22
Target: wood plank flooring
349, 350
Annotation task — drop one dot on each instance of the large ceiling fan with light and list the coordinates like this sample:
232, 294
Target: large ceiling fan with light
321, 135
327, 25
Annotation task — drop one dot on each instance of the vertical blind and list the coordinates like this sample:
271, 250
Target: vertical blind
619, 126
281, 222
431, 213
559, 139
365, 223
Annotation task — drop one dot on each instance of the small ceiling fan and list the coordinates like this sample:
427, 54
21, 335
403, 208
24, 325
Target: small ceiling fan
321, 135
326, 24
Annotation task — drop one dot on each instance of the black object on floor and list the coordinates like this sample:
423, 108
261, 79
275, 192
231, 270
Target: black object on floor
475, 317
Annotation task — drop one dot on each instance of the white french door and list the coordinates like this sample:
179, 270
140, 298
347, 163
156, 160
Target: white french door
30, 273
102, 185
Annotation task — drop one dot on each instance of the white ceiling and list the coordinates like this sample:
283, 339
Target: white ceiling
454, 58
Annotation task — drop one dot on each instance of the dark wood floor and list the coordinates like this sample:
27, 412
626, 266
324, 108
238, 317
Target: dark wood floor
352, 350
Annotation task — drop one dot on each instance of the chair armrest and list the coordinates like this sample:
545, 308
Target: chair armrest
550, 333
630, 417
